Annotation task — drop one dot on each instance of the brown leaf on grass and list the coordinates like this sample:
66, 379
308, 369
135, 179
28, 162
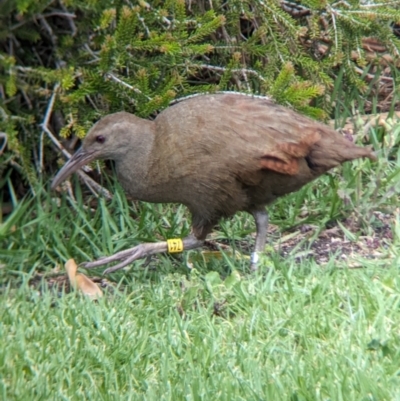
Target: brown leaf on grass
82, 282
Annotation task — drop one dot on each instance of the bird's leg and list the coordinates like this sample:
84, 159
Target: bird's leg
194, 240
144, 250
261, 218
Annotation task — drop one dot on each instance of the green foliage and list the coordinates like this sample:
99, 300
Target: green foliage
104, 56
287, 86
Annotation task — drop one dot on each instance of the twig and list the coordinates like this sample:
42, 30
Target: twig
72, 198
16, 165
229, 47
57, 143
23, 69
225, 35
372, 76
45, 123
141, 19
61, 147
59, 14
48, 28
69, 190
94, 187
27, 100
335, 29
70, 18
120, 81
95, 57
245, 79
175, 101
295, 10
64, 13
243, 71
3, 135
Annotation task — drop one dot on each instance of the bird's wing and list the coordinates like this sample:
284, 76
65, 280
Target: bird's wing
284, 158
236, 133
280, 136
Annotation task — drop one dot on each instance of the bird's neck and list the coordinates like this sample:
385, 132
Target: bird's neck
133, 168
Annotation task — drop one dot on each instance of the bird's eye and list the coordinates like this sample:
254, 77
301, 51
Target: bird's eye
100, 139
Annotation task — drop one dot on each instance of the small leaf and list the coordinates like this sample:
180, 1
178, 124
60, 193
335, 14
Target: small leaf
71, 267
88, 287
82, 282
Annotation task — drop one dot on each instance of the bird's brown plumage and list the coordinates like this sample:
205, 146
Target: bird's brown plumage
222, 153
218, 154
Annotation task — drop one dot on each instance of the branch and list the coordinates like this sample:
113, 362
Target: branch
242, 71
58, 143
295, 10
3, 135
372, 76
45, 124
94, 187
48, 28
70, 18
123, 83
64, 13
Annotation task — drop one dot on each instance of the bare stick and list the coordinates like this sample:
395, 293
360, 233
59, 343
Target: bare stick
123, 83
59, 14
48, 28
45, 123
62, 149
372, 76
242, 71
245, 79
70, 18
3, 135
94, 187
294, 9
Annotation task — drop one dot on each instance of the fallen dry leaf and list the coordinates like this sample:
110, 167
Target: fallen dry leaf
82, 282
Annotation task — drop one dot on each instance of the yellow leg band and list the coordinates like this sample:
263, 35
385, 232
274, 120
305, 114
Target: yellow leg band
175, 245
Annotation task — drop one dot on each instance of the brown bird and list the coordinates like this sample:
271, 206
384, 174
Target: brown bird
217, 154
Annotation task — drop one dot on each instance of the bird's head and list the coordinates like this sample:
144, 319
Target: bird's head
109, 138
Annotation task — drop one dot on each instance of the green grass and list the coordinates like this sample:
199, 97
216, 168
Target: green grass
296, 330
297, 333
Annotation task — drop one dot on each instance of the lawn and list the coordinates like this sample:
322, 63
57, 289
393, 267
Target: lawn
320, 320
299, 332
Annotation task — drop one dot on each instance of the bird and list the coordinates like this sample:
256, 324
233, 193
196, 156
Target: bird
217, 154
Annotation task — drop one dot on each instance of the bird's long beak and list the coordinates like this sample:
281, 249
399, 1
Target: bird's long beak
79, 159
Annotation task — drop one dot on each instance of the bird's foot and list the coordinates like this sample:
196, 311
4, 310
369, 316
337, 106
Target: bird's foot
141, 251
127, 256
